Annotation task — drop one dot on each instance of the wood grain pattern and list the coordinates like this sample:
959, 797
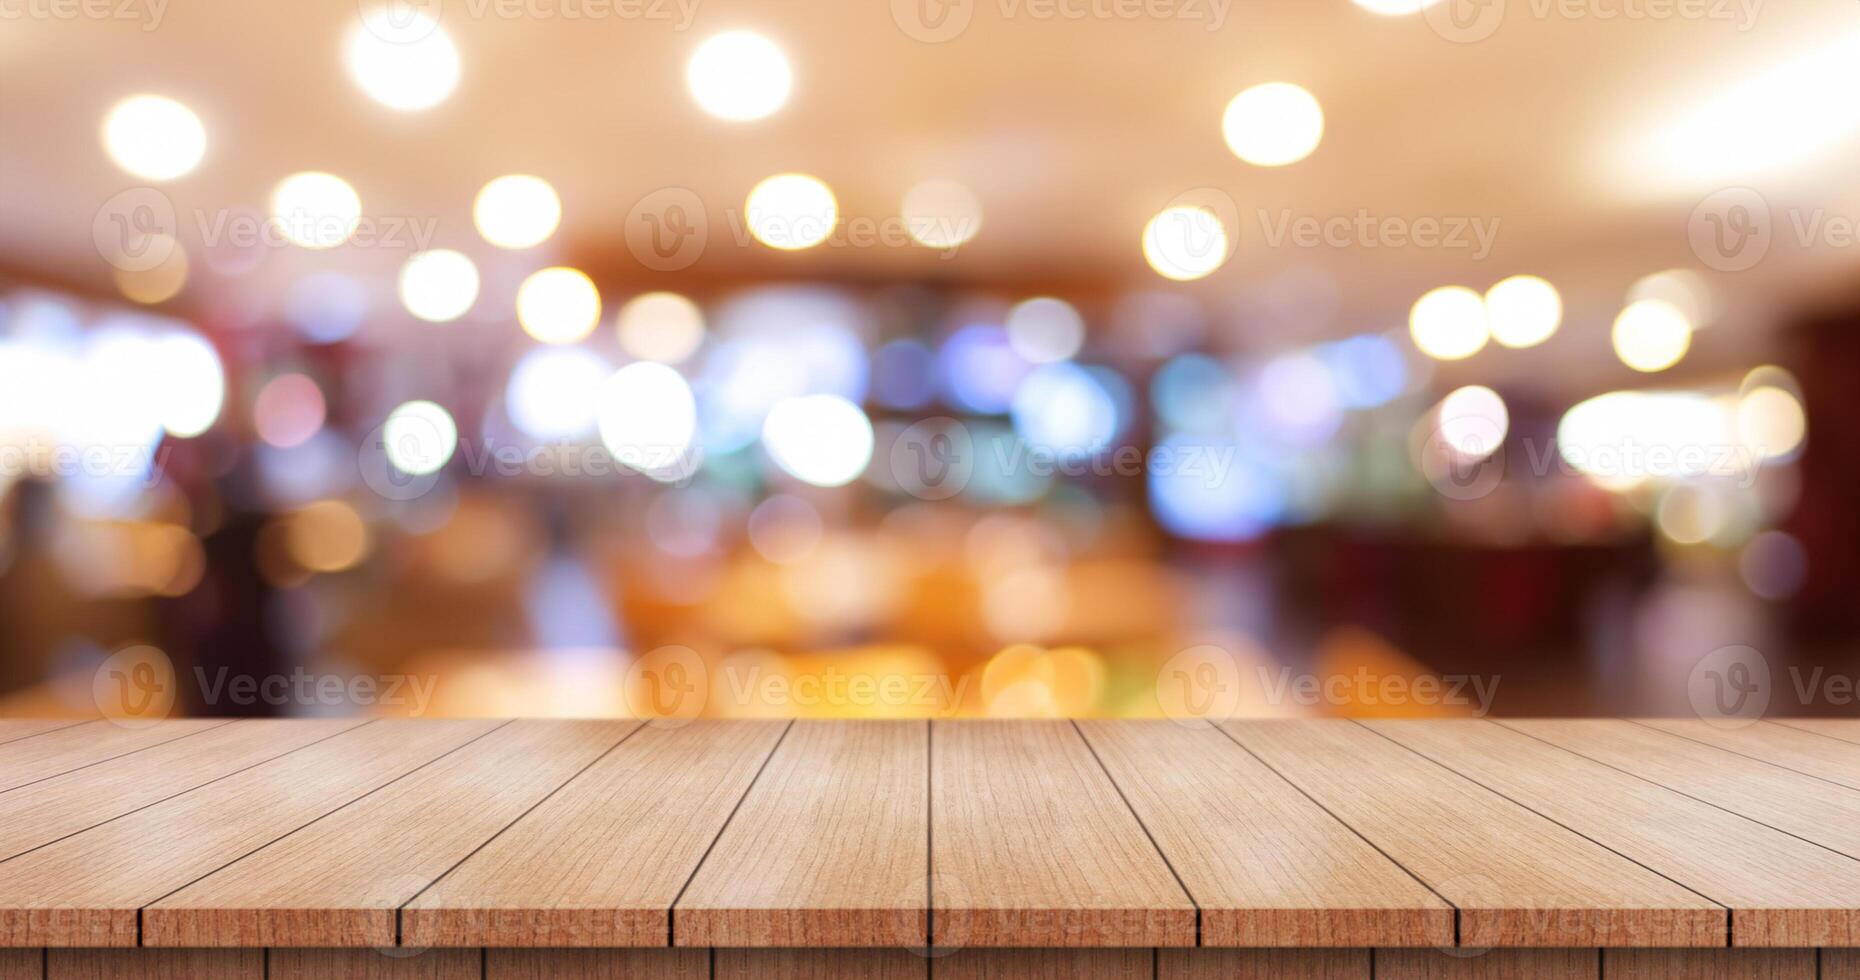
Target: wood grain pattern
1266, 866
155, 964
1032, 846
371, 964
597, 964
811, 964
342, 880
1047, 964
1802, 805
63, 805
14, 729
831, 847
1840, 964
1699, 964
1517, 878
1846, 729
22, 964
30, 760
86, 890
1262, 964
1782, 891
601, 861
1490, 964
1816, 755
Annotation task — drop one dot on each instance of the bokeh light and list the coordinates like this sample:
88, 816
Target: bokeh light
517, 211
647, 418
326, 536
1184, 242
1523, 311
154, 137
438, 286
1449, 323
980, 369
1044, 329
663, 327
1065, 410
739, 76
1273, 124
1770, 422
419, 437
192, 383
1472, 422
558, 305
941, 213
791, 211
289, 410
402, 58
823, 440
316, 210
1651, 335
552, 392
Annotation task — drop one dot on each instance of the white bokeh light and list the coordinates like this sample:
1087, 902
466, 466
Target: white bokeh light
791, 211
1184, 242
438, 286
941, 213
419, 437
1473, 422
648, 419
739, 76
663, 327
1651, 335
1044, 329
402, 58
1273, 124
1449, 323
192, 383
823, 440
552, 392
558, 305
316, 210
517, 211
154, 137
1523, 311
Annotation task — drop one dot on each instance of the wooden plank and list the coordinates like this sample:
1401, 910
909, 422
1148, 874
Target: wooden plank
1840, 964
342, 880
22, 964
1517, 878
63, 805
1802, 805
1791, 748
1031, 845
831, 847
597, 964
14, 729
1488, 964
1266, 866
155, 964
812, 964
1703, 964
30, 760
1846, 729
1262, 964
1782, 891
1047, 964
375, 964
87, 889
601, 861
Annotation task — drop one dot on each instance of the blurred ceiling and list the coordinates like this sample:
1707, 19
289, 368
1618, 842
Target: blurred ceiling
1072, 132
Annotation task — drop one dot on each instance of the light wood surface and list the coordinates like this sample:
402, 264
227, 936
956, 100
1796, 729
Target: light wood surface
1805, 752
830, 848
1782, 891
341, 880
88, 889
13, 729
1810, 808
1266, 865
601, 862
1031, 845
29, 760
63, 805
1517, 878
1847, 729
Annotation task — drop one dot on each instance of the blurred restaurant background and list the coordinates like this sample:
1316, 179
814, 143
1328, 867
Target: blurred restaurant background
989, 357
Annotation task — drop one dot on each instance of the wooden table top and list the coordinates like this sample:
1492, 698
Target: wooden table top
619, 833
